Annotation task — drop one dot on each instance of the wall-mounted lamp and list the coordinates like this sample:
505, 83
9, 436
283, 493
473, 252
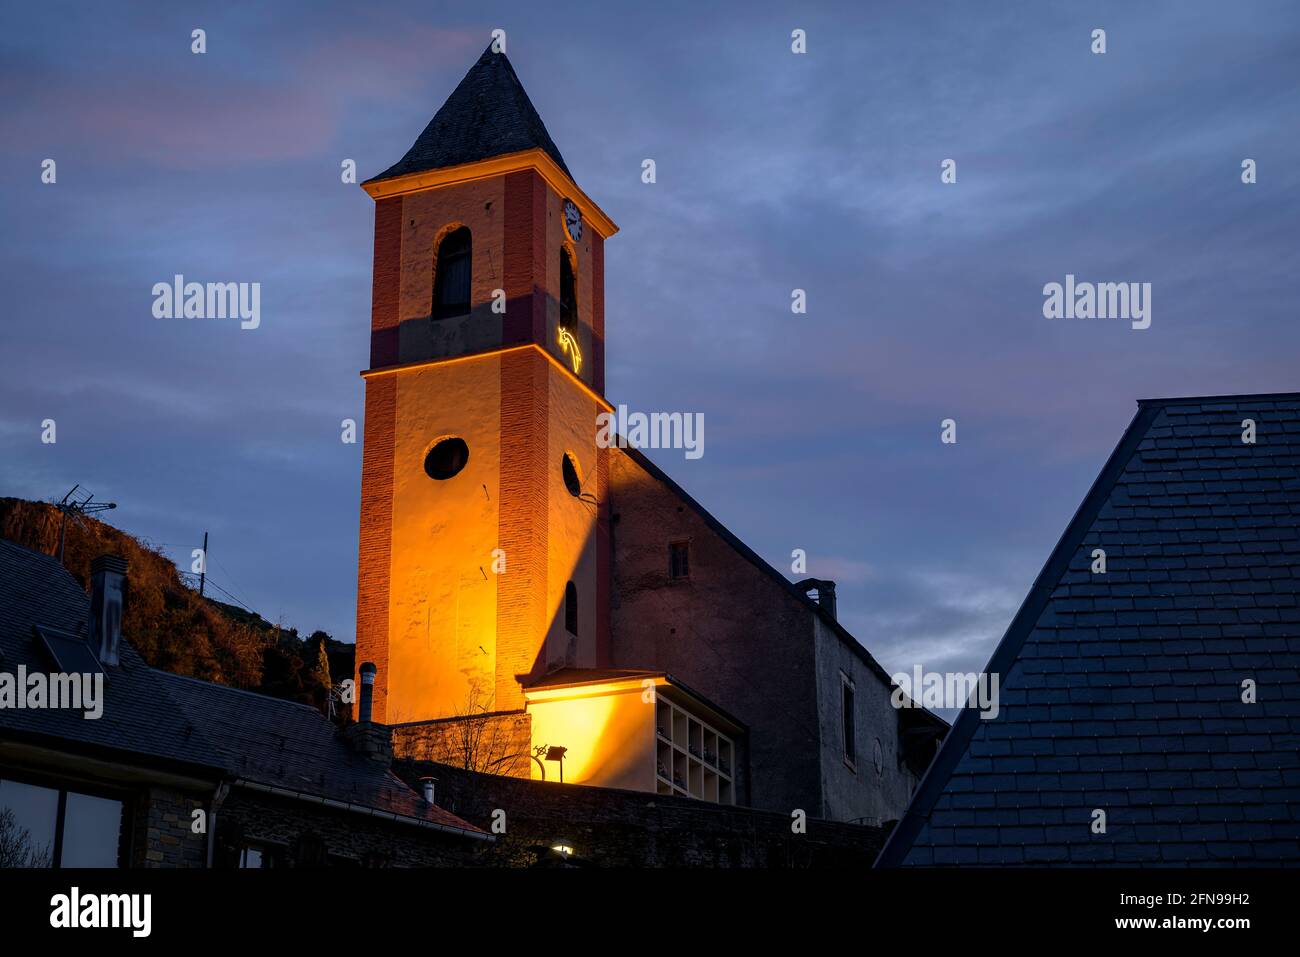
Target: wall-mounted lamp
551, 753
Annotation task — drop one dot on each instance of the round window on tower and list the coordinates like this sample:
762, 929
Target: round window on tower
447, 457
569, 468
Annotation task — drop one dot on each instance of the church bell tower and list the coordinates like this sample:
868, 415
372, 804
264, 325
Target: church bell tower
484, 554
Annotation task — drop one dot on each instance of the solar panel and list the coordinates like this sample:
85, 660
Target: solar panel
71, 654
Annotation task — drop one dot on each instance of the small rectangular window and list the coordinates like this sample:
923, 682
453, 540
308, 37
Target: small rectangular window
679, 560
571, 608
846, 717
568, 291
257, 856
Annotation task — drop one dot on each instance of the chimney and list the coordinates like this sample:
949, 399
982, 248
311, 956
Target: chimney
366, 708
826, 597
373, 740
825, 593
107, 584
426, 784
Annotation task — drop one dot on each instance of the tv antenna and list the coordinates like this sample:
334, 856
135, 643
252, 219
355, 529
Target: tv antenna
77, 503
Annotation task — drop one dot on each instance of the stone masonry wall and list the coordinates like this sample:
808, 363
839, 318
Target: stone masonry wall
162, 835
614, 828
305, 835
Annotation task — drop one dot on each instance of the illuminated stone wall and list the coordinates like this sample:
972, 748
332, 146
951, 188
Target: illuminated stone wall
443, 592
496, 743
608, 733
452, 623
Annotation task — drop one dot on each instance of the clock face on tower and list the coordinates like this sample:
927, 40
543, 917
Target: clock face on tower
572, 220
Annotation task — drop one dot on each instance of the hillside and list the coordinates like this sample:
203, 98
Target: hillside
172, 627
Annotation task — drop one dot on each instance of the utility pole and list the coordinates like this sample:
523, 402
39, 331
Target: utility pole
203, 569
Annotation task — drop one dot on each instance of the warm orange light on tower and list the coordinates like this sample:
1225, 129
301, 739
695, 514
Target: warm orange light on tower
467, 561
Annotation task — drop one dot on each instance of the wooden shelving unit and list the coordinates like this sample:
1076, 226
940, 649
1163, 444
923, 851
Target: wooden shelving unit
693, 759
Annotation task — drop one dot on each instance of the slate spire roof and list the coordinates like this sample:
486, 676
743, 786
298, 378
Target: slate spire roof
488, 114
1123, 691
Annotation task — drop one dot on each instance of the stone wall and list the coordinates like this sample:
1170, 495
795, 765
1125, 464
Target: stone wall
606, 828
877, 785
299, 834
734, 632
161, 830
730, 632
613, 828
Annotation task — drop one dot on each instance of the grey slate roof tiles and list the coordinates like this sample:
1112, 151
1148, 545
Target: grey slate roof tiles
153, 717
1123, 691
287, 745
138, 717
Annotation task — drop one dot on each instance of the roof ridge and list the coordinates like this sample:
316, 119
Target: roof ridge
230, 688
1237, 396
25, 548
1008, 649
734, 540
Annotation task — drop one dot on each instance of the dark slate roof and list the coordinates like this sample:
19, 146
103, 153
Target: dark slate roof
138, 717
290, 746
1122, 692
488, 114
175, 723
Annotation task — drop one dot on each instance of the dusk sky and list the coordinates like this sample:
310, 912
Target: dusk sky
775, 171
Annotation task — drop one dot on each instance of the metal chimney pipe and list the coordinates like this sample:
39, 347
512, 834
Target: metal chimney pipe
428, 782
365, 709
107, 585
